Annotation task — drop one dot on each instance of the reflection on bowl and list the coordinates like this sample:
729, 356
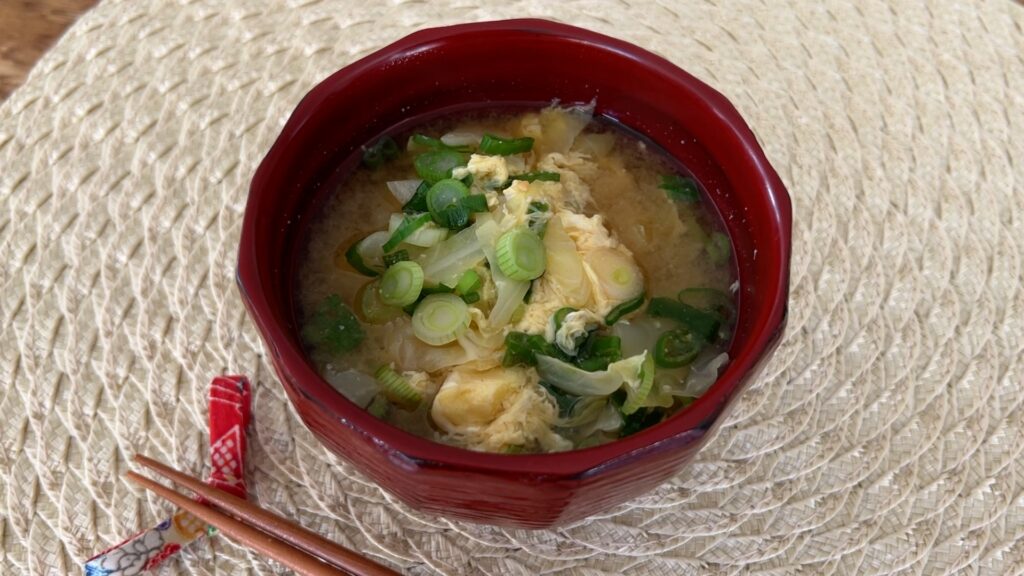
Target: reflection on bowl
496, 64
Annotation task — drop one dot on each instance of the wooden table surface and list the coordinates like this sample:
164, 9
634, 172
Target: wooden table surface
27, 29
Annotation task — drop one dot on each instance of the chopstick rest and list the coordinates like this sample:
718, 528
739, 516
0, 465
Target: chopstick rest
230, 411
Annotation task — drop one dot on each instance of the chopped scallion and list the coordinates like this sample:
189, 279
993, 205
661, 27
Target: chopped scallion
374, 310
409, 225
718, 248
702, 324
627, 307
521, 254
437, 165
401, 284
680, 188
383, 151
532, 177
523, 348
440, 319
379, 406
559, 317
708, 299
332, 327
494, 145
475, 203
438, 289
355, 258
424, 142
443, 195
677, 348
469, 282
598, 351
418, 202
396, 257
397, 388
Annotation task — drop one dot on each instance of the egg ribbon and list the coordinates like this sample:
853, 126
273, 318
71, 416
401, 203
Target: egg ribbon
230, 411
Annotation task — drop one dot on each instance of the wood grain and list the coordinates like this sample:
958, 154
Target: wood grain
27, 29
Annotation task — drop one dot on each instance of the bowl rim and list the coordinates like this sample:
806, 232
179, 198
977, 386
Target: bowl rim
681, 429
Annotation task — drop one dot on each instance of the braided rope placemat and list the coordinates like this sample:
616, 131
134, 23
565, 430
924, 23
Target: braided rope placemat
884, 437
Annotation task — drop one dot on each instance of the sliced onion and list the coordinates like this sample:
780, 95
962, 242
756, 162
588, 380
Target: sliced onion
425, 236
403, 190
702, 376
462, 139
445, 262
358, 387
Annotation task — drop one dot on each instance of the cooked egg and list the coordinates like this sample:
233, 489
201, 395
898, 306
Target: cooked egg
487, 171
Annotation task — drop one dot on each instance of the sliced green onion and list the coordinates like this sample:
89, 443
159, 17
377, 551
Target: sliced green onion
418, 202
383, 151
475, 203
627, 307
397, 388
379, 407
718, 248
437, 289
374, 310
702, 324
424, 142
332, 327
469, 282
396, 257
424, 236
537, 177
636, 396
401, 284
523, 348
409, 225
640, 419
559, 316
677, 348
598, 351
440, 319
445, 194
521, 254
609, 347
355, 258
494, 145
471, 298
456, 216
680, 188
708, 299
438, 165
563, 400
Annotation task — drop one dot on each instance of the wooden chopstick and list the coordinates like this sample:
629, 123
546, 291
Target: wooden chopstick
292, 539
301, 562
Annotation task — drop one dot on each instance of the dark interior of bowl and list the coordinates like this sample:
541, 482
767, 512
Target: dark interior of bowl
392, 91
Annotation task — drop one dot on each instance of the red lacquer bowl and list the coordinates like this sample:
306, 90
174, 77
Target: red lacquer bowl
497, 64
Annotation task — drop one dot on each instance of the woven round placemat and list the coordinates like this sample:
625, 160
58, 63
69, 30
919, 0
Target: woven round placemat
884, 437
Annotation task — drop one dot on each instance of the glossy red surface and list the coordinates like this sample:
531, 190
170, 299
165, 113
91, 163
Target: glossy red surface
492, 64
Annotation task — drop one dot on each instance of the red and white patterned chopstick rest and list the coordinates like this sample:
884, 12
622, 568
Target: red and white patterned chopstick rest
230, 409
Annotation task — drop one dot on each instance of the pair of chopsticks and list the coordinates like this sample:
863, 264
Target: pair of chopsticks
283, 540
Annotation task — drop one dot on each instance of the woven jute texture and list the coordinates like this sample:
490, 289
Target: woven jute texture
884, 437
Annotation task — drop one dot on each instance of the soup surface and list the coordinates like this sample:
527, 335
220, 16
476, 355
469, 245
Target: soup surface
518, 282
